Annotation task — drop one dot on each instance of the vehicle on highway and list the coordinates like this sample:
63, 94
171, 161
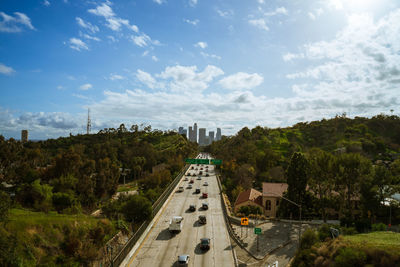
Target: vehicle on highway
183, 260
201, 169
205, 195
191, 181
207, 175
192, 167
204, 206
206, 170
202, 219
205, 183
207, 167
198, 177
175, 224
181, 189
200, 172
205, 243
197, 191
186, 179
192, 207
190, 186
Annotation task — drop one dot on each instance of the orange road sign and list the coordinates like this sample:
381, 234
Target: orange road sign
244, 221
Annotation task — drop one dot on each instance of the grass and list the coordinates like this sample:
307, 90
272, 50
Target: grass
127, 187
388, 241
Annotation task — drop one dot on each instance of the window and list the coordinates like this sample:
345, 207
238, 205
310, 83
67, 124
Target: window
268, 205
277, 202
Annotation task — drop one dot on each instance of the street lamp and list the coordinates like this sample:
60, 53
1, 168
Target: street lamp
294, 203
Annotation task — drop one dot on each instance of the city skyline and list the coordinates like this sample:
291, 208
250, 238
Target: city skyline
203, 139
222, 63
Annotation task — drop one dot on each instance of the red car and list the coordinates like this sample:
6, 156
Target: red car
191, 181
205, 195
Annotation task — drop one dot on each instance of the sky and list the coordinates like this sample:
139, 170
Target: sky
170, 63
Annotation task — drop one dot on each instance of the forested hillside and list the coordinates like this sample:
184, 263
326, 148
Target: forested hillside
75, 175
354, 157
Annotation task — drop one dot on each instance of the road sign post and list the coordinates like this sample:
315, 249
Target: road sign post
257, 231
243, 221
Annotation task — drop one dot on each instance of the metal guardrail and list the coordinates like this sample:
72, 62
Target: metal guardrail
156, 207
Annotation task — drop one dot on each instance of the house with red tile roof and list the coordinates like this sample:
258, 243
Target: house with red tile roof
250, 197
271, 197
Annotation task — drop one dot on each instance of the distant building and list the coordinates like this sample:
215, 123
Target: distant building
249, 197
202, 136
184, 132
195, 132
24, 136
191, 134
180, 130
218, 137
211, 136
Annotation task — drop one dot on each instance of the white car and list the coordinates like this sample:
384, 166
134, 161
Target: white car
205, 184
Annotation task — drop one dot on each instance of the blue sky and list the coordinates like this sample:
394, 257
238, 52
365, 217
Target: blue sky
170, 63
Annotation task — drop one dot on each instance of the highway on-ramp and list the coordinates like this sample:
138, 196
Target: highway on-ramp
161, 248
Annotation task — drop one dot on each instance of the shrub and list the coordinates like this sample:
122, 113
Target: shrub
304, 258
324, 232
137, 209
350, 257
308, 239
348, 231
378, 227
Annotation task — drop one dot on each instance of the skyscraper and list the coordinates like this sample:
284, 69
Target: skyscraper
24, 136
180, 130
195, 132
202, 136
211, 136
218, 137
184, 132
190, 134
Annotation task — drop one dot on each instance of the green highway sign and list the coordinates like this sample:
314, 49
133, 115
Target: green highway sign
216, 161
204, 161
257, 231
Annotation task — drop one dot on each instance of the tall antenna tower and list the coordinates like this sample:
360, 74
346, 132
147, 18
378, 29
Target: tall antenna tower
89, 123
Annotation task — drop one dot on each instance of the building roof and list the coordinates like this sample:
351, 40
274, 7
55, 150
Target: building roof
251, 194
274, 189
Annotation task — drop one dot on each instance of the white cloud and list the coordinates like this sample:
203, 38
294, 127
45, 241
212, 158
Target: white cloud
259, 23
201, 45
146, 79
192, 3
314, 15
144, 40
14, 24
46, 3
87, 25
261, 2
241, 80
6, 70
77, 44
210, 55
335, 4
225, 14
290, 56
184, 78
193, 22
114, 77
159, 1
89, 37
85, 86
113, 22
277, 11
154, 58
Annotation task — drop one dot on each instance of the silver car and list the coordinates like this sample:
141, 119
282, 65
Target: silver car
183, 260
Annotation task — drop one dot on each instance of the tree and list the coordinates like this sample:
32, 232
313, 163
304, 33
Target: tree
297, 178
137, 209
321, 178
5, 205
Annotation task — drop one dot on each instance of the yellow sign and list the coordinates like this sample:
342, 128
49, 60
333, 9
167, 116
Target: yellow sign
244, 221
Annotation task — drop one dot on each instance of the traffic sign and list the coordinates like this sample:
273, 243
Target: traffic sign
244, 221
257, 231
216, 161
197, 161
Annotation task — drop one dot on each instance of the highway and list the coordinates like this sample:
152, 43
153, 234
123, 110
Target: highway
161, 248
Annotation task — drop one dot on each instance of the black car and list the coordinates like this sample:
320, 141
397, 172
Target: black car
197, 191
205, 243
204, 206
192, 207
202, 219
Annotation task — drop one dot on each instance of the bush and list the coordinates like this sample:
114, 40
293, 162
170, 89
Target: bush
304, 258
378, 227
350, 257
137, 209
348, 231
308, 239
324, 232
